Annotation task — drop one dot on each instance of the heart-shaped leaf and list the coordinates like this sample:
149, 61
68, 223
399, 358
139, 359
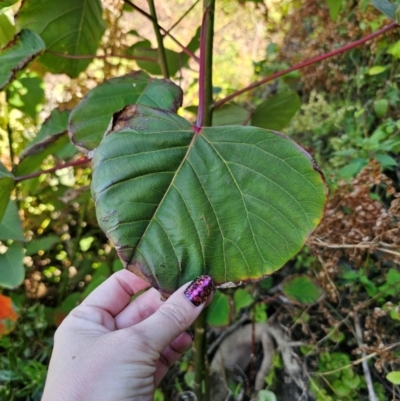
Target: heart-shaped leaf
72, 27
91, 118
18, 53
302, 289
233, 202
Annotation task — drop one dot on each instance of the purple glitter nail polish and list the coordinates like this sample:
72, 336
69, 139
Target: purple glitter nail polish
198, 292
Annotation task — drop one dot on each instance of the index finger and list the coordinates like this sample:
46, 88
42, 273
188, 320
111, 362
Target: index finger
115, 293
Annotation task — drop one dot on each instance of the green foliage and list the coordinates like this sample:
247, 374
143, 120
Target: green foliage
302, 289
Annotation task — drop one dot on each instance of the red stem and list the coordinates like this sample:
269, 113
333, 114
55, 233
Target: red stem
79, 162
306, 63
202, 86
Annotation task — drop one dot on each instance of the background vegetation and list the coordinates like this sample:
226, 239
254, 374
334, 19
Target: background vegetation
329, 320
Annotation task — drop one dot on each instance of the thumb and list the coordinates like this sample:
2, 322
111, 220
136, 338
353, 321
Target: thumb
176, 314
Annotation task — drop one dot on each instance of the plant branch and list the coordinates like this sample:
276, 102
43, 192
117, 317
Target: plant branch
307, 63
79, 162
87, 56
160, 42
147, 15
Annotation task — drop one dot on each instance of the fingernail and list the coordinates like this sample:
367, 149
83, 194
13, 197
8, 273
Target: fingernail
190, 332
198, 292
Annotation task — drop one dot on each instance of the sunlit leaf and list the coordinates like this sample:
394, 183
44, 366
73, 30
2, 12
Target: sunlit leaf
6, 187
12, 270
277, 111
334, 8
90, 119
219, 310
17, 54
72, 27
7, 29
233, 202
26, 94
8, 315
377, 69
302, 289
394, 377
11, 225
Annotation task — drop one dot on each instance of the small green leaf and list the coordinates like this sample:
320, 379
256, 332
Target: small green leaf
393, 277
394, 377
302, 289
7, 3
377, 69
219, 311
7, 29
353, 168
386, 161
6, 187
334, 8
394, 314
12, 270
26, 94
385, 7
17, 54
230, 114
72, 27
242, 299
11, 225
394, 49
90, 119
266, 395
41, 244
381, 107
277, 111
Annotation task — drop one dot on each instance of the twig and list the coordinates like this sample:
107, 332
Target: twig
87, 56
367, 373
147, 15
307, 63
160, 43
362, 245
183, 16
52, 170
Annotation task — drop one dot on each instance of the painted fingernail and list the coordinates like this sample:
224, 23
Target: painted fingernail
198, 292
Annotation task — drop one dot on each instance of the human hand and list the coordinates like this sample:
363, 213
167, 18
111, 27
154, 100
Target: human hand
109, 348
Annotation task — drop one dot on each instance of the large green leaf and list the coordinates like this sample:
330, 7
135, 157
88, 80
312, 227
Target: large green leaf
233, 202
91, 118
11, 225
277, 111
72, 27
17, 54
12, 270
50, 140
6, 187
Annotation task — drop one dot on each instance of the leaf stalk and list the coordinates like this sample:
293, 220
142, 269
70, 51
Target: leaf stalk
160, 41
